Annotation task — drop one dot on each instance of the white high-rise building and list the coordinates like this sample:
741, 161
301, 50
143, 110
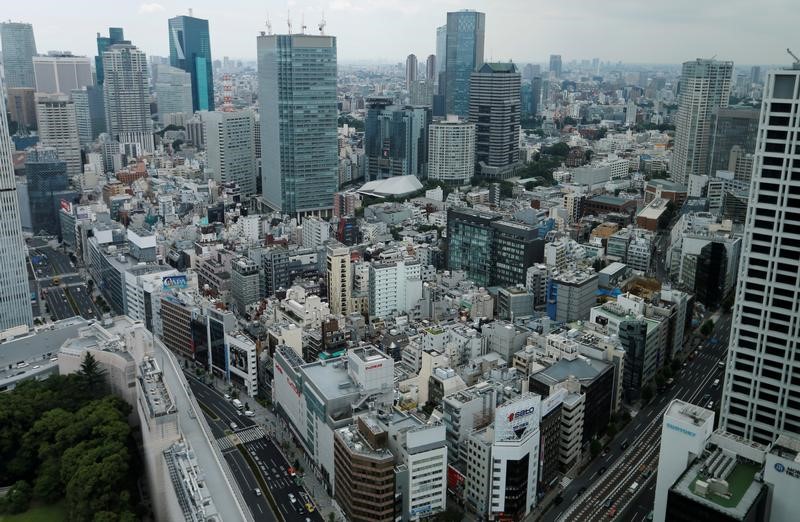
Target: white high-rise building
61, 73
315, 231
15, 299
58, 128
173, 88
126, 92
394, 286
705, 86
762, 377
451, 151
230, 146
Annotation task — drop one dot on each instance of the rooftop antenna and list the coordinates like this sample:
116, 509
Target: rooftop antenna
289, 20
322, 24
190, 12
303, 23
269, 26
796, 59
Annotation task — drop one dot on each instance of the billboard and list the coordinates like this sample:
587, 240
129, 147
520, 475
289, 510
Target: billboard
174, 282
66, 206
515, 419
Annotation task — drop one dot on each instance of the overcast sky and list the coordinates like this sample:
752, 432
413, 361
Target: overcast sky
670, 31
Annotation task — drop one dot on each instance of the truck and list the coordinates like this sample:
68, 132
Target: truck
238, 404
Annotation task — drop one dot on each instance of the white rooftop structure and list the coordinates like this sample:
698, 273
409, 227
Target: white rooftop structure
395, 186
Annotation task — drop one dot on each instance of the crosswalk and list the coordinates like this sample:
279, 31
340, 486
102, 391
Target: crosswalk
249, 435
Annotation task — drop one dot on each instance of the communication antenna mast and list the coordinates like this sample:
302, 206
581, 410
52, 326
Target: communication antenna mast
269, 26
289, 20
794, 56
321, 24
227, 93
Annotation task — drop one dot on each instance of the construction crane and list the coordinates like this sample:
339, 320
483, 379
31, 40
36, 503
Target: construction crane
794, 56
321, 24
269, 26
289, 20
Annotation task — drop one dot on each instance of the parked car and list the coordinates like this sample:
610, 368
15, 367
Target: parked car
249, 413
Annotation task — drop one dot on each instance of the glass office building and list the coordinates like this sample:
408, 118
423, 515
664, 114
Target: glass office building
464, 54
190, 50
115, 36
297, 99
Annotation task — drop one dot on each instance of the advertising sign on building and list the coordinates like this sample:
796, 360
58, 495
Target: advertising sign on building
516, 418
174, 282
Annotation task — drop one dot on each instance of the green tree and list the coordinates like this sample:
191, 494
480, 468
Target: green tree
595, 448
17, 499
707, 328
93, 374
559, 149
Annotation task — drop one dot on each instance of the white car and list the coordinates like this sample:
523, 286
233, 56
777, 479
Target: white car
234, 425
257, 492
249, 413
227, 397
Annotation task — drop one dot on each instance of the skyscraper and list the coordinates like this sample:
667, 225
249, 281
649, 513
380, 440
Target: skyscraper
464, 50
47, 185
555, 66
90, 113
705, 87
126, 93
430, 68
15, 300
190, 50
762, 376
19, 48
395, 139
115, 36
411, 70
451, 151
59, 73
441, 49
58, 128
297, 99
173, 88
230, 146
494, 108
731, 127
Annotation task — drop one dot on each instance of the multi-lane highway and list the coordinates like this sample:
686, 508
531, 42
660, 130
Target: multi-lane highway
231, 428
64, 306
604, 491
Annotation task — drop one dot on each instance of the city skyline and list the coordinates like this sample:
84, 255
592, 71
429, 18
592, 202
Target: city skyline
691, 30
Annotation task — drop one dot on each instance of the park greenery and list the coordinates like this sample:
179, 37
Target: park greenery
67, 438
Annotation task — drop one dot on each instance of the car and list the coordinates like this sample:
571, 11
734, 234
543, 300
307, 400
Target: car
292, 499
36, 367
582, 491
609, 502
612, 512
721, 364
601, 470
227, 397
710, 405
633, 487
249, 413
257, 491
558, 500
239, 413
705, 398
310, 507
685, 364
715, 383
234, 425
291, 471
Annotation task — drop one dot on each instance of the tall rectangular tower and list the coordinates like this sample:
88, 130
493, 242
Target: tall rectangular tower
58, 128
15, 299
19, 48
464, 54
705, 87
231, 151
126, 92
297, 99
190, 50
115, 35
762, 376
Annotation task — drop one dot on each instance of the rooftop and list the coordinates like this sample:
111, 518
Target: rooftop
582, 368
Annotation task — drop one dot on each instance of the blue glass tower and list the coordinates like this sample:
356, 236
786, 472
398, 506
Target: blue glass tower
47, 186
190, 50
464, 54
115, 36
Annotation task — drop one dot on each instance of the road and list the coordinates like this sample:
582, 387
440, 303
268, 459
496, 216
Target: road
273, 466
609, 477
80, 297
57, 302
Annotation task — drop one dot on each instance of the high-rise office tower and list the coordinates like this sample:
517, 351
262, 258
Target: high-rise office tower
340, 284
451, 151
126, 93
536, 95
173, 88
705, 87
230, 148
58, 128
15, 297
430, 68
190, 50
47, 185
395, 139
59, 73
494, 108
411, 70
22, 106
755, 74
115, 36
297, 99
464, 54
731, 127
555, 66
89, 112
441, 48
19, 48
762, 376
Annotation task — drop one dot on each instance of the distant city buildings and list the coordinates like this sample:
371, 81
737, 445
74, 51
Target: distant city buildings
19, 48
126, 93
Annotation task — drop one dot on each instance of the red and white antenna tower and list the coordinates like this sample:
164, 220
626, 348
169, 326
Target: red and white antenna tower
227, 93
